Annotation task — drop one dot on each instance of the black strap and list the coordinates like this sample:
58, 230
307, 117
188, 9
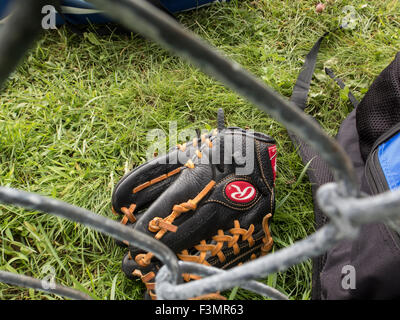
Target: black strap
303, 82
341, 84
318, 171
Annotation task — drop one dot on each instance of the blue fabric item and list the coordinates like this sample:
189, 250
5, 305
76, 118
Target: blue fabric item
175, 6
80, 12
4, 8
389, 159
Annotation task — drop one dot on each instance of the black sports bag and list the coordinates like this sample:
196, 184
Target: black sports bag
370, 135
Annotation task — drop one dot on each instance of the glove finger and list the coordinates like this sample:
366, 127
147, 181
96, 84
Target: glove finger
141, 186
146, 182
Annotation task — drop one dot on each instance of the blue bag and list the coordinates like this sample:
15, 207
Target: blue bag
4, 10
79, 12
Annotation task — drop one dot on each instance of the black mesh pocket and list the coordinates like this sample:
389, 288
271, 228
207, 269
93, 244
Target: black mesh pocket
379, 110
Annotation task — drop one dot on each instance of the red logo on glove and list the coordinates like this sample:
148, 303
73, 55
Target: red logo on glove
272, 157
240, 191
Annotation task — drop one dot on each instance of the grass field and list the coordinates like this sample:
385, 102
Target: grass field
75, 115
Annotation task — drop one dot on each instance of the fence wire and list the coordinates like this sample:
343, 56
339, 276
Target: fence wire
340, 201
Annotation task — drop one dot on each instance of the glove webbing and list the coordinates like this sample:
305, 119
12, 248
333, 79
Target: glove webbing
203, 248
221, 238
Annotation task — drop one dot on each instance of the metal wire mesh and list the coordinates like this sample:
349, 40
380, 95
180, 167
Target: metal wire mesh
341, 201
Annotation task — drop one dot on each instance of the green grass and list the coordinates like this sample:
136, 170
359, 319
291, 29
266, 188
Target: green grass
75, 115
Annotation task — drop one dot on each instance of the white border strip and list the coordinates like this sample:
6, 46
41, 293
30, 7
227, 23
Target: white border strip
4, 20
74, 10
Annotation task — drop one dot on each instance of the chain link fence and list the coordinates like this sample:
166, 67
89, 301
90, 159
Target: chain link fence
341, 201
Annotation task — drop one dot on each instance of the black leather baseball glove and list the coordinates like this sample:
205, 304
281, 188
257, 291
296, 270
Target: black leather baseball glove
215, 209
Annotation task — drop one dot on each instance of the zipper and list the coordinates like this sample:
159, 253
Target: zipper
373, 170
374, 174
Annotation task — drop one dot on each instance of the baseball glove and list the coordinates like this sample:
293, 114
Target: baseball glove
214, 210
